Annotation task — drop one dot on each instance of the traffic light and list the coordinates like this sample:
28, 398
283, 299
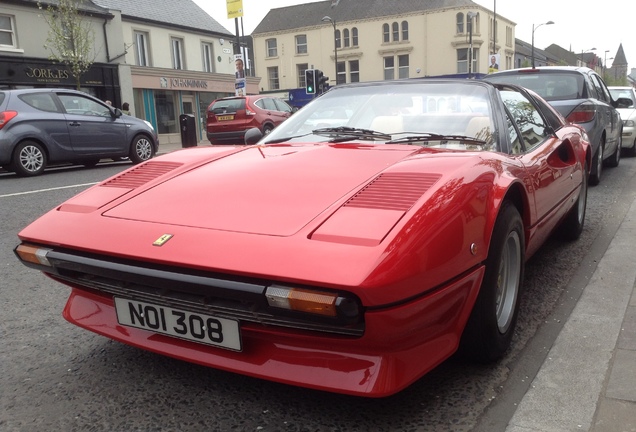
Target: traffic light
310, 81
321, 81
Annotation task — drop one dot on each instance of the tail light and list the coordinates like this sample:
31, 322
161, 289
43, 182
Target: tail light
249, 112
5, 116
583, 113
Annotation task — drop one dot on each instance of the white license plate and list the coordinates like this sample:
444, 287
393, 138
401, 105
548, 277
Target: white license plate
182, 324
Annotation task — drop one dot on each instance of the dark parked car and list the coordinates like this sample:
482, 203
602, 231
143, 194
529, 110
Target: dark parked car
582, 97
229, 118
39, 127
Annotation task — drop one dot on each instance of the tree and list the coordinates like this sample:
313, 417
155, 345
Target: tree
71, 38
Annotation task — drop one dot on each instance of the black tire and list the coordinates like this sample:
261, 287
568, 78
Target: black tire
29, 159
141, 149
616, 157
597, 166
572, 225
492, 322
267, 129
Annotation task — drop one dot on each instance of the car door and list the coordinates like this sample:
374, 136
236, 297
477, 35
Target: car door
273, 111
612, 117
93, 128
551, 165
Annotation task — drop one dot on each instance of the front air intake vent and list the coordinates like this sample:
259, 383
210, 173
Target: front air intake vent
141, 175
393, 191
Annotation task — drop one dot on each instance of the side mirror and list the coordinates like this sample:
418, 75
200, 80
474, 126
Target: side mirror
117, 112
252, 136
624, 103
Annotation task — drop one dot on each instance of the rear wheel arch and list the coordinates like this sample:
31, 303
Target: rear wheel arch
15, 166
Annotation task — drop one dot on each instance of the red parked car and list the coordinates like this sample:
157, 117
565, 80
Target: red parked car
229, 118
352, 258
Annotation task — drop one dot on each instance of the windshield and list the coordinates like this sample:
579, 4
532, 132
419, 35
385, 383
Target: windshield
389, 112
550, 86
627, 93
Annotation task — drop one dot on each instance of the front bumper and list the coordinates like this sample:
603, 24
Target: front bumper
400, 343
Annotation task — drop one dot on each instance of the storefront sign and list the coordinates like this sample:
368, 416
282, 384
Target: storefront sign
182, 83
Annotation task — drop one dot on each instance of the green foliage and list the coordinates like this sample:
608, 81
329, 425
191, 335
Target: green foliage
71, 38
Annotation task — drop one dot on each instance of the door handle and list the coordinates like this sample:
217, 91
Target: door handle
74, 123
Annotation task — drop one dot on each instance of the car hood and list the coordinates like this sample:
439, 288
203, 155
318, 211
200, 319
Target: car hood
269, 190
627, 113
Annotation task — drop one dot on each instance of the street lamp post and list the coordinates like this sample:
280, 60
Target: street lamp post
533, 29
583, 52
335, 43
470, 16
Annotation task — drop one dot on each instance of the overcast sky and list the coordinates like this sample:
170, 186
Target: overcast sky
578, 26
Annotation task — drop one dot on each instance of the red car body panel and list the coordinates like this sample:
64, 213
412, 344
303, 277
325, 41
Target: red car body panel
404, 228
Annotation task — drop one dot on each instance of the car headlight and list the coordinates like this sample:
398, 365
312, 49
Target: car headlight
149, 125
628, 123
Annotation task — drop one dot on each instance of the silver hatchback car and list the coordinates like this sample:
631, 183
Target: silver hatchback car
582, 97
40, 127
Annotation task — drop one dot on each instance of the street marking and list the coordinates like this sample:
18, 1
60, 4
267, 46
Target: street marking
47, 190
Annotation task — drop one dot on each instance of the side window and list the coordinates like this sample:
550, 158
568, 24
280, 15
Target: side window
41, 101
282, 106
269, 104
603, 93
515, 143
530, 123
76, 104
260, 103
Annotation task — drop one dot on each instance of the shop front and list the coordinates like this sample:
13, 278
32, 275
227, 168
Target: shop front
162, 95
101, 80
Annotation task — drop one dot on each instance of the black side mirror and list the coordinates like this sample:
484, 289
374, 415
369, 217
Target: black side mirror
624, 103
252, 136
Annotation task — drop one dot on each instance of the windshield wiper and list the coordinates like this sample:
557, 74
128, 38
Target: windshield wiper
288, 138
345, 133
426, 137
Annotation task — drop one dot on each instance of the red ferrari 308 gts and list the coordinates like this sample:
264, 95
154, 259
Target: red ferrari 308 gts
352, 257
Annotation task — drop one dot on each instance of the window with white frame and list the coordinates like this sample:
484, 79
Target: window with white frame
345, 38
460, 23
354, 37
403, 66
177, 53
396, 32
271, 48
141, 49
7, 32
354, 71
207, 54
462, 60
300, 72
341, 76
405, 30
301, 44
389, 68
385, 33
272, 78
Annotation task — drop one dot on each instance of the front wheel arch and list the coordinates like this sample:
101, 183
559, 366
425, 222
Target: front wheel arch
29, 158
141, 149
492, 321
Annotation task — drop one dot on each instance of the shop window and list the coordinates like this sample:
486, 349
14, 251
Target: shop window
166, 113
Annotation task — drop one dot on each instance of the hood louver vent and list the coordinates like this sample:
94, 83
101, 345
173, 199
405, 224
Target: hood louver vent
394, 191
141, 175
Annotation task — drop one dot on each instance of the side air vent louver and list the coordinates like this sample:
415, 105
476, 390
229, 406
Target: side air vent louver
141, 175
393, 191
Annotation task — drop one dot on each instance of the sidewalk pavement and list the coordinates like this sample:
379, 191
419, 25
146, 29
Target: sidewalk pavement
170, 147
588, 379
